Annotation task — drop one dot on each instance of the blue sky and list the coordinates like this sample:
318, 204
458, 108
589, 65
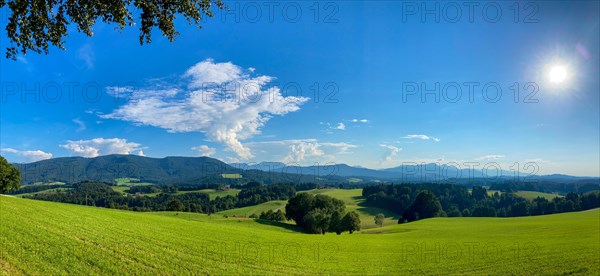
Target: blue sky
363, 70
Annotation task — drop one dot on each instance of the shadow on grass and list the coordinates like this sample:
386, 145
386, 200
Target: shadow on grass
287, 226
372, 211
358, 198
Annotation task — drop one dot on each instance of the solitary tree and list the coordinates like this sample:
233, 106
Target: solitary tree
10, 177
351, 222
35, 25
379, 219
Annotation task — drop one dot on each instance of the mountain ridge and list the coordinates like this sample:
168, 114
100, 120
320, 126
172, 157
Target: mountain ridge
189, 170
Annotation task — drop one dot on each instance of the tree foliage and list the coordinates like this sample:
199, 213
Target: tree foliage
273, 216
426, 205
379, 219
175, 205
351, 222
10, 177
35, 25
320, 214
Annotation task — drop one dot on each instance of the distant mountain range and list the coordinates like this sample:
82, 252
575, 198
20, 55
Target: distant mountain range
202, 170
424, 172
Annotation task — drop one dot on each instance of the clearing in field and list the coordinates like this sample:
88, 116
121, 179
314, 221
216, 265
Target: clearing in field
212, 193
256, 209
130, 182
231, 175
529, 195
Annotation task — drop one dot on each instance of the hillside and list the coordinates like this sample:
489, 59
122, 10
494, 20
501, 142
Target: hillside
168, 170
52, 238
352, 198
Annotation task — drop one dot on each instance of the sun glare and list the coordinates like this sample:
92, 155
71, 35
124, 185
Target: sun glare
557, 74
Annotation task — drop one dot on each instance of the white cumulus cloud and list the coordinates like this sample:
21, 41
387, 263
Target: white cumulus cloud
29, 155
390, 152
359, 120
101, 146
205, 150
221, 100
301, 151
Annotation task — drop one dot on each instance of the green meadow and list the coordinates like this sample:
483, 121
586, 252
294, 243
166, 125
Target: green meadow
212, 193
52, 238
256, 209
530, 195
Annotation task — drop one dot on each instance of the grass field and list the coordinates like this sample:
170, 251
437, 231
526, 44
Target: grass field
130, 182
212, 193
44, 191
52, 238
48, 183
256, 209
231, 175
533, 195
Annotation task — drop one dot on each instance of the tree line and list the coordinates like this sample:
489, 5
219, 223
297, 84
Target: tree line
418, 201
101, 194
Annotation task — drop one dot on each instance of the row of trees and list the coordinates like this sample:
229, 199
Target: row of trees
102, 195
580, 187
320, 214
417, 201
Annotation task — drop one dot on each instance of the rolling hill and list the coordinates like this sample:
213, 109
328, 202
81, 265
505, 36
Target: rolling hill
52, 238
168, 170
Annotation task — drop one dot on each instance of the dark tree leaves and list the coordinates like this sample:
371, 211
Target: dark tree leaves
10, 177
34, 25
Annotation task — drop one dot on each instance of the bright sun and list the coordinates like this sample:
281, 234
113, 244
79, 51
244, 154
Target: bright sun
557, 74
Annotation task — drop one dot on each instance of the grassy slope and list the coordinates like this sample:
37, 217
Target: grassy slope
44, 191
131, 182
213, 193
256, 209
529, 195
52, 238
